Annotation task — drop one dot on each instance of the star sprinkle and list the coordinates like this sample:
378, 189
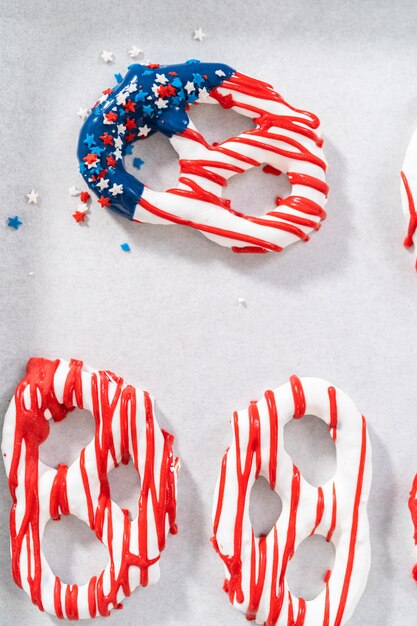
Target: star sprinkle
135, 52
84, 196
118, 77
220, 73
198, 34
137, 162
103, 201
73, 191
161, 104
125, 247
189, 86
116, 189
83, 113
32, 197
103, 183
107, 57
242, 302
144, 131
161, 78
14, 222
79, 216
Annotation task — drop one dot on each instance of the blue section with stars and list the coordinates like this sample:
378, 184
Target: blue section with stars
147, 100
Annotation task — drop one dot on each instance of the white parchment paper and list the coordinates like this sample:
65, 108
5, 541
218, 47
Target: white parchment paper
166, 316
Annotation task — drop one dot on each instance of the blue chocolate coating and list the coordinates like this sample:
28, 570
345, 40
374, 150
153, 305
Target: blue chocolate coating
148, 99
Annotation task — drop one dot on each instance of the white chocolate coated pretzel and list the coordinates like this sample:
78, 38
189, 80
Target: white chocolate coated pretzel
125, 427
256, 566
285, 138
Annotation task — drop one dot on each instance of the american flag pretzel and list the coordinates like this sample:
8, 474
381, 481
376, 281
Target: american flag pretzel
125, 427
256, 566
156, 98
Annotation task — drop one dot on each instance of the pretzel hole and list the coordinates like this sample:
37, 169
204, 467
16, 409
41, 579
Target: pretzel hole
217, 124
255, 191
73, 551
125, 486
160, 169
67, 438
265, 507
311, 448
307, 569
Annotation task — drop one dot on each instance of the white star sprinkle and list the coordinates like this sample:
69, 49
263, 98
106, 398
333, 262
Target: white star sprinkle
121, 129
155, 90
118, 142
116, 189
144, 131
198, 34
161, 78
219, 73
118, 154
132, 87
161, 104
122, 97
73, 191
83, 207
189, 87
135, 52
32, 197
103, 183
203, 94
243, 302
83, 113
107, 56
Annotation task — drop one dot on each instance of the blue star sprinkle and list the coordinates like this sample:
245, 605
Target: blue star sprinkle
192, 61
14, 222
89, 140
118, 77
141, 95
137, 162
125, 247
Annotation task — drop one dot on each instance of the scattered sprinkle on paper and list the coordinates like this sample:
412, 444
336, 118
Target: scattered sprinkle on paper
242, 302
198, 34
32, 197
135, 52
31, 274
73, 191
107, 57
125, 247
79, 216
14, 222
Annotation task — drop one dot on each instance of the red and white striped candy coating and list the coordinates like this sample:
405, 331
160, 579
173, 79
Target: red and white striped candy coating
256, 566
125, 427
285, 138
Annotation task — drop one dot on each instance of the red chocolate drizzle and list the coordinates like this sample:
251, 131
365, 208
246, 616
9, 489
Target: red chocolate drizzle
32, 428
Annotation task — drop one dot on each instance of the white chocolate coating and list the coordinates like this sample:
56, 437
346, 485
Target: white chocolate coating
256, 566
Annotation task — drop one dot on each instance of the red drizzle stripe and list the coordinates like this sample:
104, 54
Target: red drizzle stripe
334, 515
412, 224
333, 413
308, 181
354, 530
299, 398
319, 510
273, 426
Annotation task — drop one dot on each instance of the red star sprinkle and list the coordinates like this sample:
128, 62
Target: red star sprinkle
130, 106
90, 158
79, 216
130, 123
102, 173
130, 137
84, 196
173, 73
104, 201
167, 90
108, 91
153, 66
111, 117
111, 161
107, 139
